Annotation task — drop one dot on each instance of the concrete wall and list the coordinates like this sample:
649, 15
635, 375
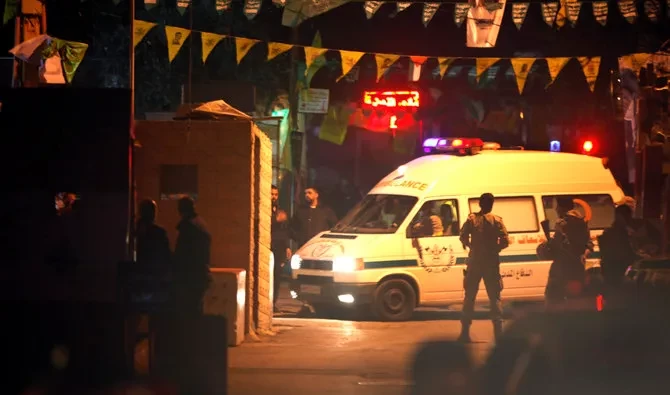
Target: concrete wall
234, 177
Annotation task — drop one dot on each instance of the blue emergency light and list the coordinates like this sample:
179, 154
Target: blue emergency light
458, 146
555, 146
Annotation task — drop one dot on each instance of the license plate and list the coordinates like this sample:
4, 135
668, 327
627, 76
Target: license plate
310, 289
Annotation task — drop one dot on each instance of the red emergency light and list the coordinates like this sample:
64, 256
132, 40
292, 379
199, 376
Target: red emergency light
391, 99
587, 147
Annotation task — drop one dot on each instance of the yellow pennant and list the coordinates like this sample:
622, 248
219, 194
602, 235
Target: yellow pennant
522, 68
209, 41
444, 64
349, 60
276, 49
639, 60
175, 39
311, 54
562, 14
384, 62
243, 45
483, 64
555, 66
591, 67
141, 30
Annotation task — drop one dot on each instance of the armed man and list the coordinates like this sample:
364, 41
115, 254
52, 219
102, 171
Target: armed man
485, 235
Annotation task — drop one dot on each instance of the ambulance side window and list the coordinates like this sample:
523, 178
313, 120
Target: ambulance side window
518, 213
436, 218
601, 207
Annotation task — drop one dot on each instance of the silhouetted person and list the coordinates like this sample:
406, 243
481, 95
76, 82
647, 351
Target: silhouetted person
191, 258
312, 219
617, 251
153, 247
280, 242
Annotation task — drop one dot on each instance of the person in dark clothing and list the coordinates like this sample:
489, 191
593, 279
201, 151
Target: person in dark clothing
153, 247
311, 219
280, 242
191, 259
485, 235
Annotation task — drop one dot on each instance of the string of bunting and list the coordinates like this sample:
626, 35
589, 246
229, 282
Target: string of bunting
176, 36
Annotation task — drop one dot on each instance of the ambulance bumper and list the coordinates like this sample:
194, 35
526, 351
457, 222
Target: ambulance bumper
322, 290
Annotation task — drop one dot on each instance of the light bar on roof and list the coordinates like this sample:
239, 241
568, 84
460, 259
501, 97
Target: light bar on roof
458, 145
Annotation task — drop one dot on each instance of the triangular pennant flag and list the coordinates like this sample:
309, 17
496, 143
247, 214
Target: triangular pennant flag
402, 6
371, 8
182, 5
519, 11
429, 10
141, 30
209, 41
628, 10
591, 67
555, 66
251, 8
349, 60
384, 62
600, 10
652, 8
311, 53
149, 4
242, 47
175, 39
483, 64
279, 3
574, 7
444, 64
549, 11
415, 66
522, 68
562, 13
276, 49
69, 54
460, 12
222, 5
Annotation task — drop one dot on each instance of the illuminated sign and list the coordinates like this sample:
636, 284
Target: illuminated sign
391, 99
393, 124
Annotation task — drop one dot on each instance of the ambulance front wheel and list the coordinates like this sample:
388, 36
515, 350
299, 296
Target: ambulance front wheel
394, 300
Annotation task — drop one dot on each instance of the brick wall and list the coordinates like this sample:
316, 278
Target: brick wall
228, 202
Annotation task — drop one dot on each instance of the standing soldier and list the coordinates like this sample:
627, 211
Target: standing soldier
485, 235
568, 249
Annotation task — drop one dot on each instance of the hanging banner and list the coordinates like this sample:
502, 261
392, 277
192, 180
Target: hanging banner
349, 60
549, 11
149, 4
483, 24
384, 62
574, 7
276, 49
519, 11
312, 53
251, 8
334, 126
242, 47
222, 5
461, 12
591, 67
371, 7
483, 64
69, 55
600, 10
522, 68
209, 41
444, 64
628, 10
182, 5
141, 30
429, 10
402, 6
652, 8
175, 39
555, 66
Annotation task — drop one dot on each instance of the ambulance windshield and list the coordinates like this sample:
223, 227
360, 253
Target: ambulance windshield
376, 214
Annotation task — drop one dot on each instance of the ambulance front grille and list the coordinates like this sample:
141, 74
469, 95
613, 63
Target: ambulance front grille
316, 265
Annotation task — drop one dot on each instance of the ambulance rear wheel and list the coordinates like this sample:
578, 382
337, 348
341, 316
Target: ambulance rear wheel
394, 300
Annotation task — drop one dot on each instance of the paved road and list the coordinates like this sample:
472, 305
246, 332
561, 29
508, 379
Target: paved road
316, 356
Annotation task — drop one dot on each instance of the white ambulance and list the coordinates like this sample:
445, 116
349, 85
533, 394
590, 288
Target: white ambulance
374, 258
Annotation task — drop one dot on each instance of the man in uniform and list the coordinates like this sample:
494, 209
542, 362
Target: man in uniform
568, 249
485, 235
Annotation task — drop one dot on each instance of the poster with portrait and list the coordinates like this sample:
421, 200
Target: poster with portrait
484, 19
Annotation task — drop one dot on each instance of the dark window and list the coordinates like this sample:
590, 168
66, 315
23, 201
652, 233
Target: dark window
602, 210
177, 181
518, 213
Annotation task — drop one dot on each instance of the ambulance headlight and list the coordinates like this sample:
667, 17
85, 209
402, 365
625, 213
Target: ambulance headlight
345, 264
296, 262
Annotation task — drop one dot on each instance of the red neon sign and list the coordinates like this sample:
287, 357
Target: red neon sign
391, 99
393, 124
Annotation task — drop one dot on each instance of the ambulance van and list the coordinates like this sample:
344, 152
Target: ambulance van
374, 258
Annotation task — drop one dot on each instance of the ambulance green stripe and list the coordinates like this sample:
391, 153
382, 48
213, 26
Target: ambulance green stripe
461, 261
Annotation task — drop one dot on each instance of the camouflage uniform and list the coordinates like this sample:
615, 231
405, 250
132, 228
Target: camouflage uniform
486, 236
567, 248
